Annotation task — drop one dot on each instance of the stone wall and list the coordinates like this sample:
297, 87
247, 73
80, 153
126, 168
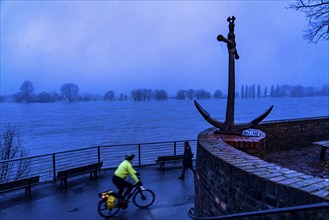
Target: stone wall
285, 134
230, 181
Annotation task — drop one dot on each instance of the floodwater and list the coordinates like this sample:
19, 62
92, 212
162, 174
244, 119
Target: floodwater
52, 127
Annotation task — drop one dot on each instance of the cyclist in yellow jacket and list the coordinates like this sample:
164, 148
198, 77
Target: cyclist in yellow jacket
119, 178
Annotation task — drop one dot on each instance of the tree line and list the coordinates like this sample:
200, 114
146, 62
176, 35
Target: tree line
250, 91
70, 92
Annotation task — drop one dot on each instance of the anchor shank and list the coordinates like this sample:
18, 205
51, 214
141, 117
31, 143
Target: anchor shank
229, 120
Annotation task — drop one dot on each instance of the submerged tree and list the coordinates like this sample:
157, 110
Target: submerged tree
141, 94
70, 91
180, 94
11, 148
218, 94
26, 92
45, 97
258, 91
109, 95
265, 92
246, 94
160, 95
202, 94
190, 93
317, 12
297, 91
123, 97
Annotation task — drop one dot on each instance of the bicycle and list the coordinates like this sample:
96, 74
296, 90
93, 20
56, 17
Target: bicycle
109, 205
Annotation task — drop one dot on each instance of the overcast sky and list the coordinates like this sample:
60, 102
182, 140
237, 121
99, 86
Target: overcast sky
120, 46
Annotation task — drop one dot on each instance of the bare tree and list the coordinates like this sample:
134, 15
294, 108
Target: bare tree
297, 91
246, 94
190, 94
137, 94
317, 12
123, 97
11, 148
202, 94
265, 92
160, 95
109, 95
180, 94
218, 94
26, 91
45, 97
70, 91
141, 94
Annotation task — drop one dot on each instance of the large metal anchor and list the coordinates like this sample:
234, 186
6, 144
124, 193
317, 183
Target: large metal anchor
228, 126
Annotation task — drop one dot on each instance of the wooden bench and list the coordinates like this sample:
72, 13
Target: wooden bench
162, 160
90, 168
26, 183
325, 146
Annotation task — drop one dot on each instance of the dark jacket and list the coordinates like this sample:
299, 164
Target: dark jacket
188, 155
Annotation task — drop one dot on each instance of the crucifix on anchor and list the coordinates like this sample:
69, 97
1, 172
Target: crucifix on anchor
228, 126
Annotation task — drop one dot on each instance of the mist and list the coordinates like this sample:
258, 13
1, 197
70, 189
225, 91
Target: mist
121, 46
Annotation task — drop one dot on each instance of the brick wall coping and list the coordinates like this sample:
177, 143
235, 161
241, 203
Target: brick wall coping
294, 120
318, 187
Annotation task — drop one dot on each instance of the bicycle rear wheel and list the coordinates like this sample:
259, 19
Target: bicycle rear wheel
144, 198
104, 211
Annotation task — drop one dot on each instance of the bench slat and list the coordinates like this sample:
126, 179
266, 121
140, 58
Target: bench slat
20, 184
90, 168
168, 158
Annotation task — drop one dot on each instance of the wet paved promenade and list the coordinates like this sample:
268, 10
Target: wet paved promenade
174, 197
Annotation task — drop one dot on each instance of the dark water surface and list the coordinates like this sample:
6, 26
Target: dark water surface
53, 127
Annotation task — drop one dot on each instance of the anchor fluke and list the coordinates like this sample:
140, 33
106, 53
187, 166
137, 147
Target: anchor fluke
254, 122
208, 118
236, 128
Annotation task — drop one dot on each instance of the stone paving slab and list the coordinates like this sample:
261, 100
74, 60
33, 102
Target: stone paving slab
174, 197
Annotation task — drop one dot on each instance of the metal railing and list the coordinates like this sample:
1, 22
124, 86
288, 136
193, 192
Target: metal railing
47, 165
268, 212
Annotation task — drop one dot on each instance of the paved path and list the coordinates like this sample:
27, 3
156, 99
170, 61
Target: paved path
174, 197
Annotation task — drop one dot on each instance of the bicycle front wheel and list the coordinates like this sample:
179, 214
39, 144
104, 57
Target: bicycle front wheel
144, 198
104, 211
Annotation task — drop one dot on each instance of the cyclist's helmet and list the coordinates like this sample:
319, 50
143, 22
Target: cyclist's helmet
129, 156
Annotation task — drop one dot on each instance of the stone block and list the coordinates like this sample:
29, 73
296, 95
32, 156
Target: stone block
312, 188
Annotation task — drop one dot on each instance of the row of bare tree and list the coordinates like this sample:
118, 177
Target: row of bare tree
70, 93
250, 91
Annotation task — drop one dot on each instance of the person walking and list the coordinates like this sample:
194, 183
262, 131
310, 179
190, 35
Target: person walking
187, 160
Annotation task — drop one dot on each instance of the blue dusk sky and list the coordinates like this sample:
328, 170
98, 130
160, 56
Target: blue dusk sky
171, 45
